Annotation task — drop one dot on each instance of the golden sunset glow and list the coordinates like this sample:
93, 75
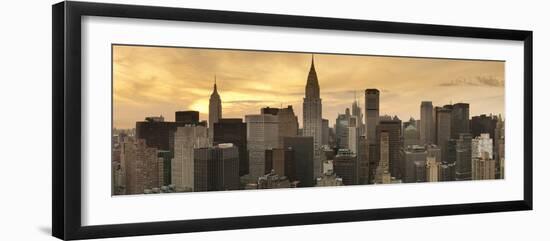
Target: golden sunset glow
152, 81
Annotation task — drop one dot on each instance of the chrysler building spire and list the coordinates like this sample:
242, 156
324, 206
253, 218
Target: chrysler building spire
312, 85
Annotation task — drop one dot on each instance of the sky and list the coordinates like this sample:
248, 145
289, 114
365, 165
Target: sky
154, 81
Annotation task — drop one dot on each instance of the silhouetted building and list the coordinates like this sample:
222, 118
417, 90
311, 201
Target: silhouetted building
155, 132
460, 119
415, 157
281, 161
447, 172
216, 168
372, 111
451, 152
262, 134
166, 171
189, 117
288, 122
374, 158
464, 157
363, 161
345, 166
159, 134
393, 127
269, 110
483, 124
303, 158
326, 132
498, 150
233, 131
427, 125
443, 129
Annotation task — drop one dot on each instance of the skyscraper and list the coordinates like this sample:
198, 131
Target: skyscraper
415, 157
382, 173
312, 114
393, 128
281, 161
411, 136
262, 134
356, 111
372, 111
483, 124
303, 158
345, 166
483, 167
464, 157
216, 168
214, 111
341, 130
498, 149
442, 129
158, 133
189, 116
141, 166
233, 131
460, 119
326, 132
288, 122
411, 122
353, 135
165, 157
363, 160
447, 172
427, 127
432, 169
480, 144
186, 139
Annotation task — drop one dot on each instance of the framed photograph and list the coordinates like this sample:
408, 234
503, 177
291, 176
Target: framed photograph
172, 120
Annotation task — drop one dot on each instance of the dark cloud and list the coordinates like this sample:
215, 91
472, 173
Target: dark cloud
248, 101
490, 81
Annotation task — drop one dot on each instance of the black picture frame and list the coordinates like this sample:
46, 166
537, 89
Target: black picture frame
66, 127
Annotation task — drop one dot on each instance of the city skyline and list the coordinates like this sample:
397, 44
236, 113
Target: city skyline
153, 81
269, 150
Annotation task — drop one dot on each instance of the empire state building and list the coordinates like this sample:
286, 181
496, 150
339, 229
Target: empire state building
214, 111
312, 116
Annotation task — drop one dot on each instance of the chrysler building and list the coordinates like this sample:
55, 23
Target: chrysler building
312, 116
